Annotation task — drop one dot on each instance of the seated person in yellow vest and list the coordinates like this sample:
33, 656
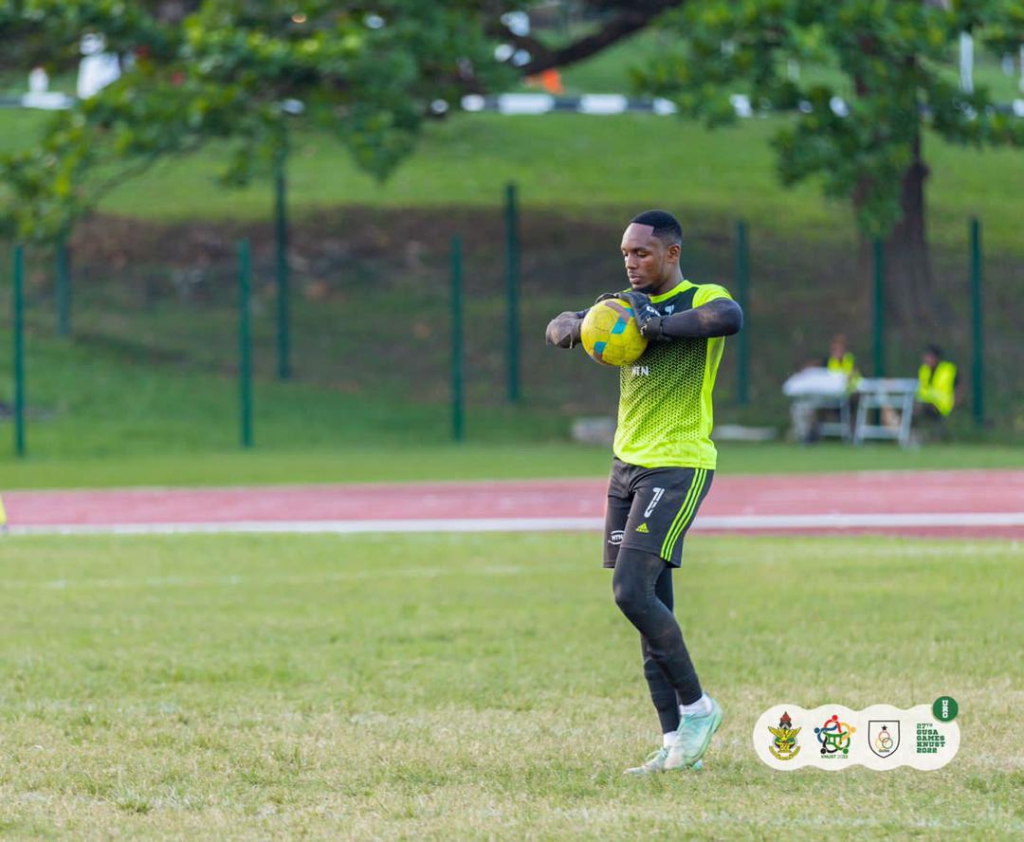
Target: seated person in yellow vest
841, 360
938, 383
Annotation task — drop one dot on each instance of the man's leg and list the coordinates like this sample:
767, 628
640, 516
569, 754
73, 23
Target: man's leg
666, 702
663, 694
635, 583
636, 575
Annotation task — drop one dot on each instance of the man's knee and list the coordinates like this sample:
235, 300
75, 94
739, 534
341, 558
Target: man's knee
636, 574
629, 595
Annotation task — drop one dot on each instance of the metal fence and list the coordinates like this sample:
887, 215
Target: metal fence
370, 326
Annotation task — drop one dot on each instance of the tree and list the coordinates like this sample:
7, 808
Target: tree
234, 70
894, 56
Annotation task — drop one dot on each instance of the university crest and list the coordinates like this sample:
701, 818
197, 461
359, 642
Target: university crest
784, 745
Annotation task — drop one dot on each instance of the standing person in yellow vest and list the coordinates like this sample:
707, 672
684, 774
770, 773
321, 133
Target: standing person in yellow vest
937, 384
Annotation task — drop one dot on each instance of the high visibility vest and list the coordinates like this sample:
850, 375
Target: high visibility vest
937, 386
843, 366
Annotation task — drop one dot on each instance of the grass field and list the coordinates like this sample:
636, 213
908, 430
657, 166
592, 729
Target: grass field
483, 687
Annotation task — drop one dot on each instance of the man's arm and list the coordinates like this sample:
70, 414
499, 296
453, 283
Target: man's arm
721, 317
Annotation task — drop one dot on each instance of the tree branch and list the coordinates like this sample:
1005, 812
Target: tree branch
626, 23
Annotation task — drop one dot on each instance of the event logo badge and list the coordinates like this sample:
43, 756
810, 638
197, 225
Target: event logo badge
784, 746
880, 737
834, 737
929, 739
884, 736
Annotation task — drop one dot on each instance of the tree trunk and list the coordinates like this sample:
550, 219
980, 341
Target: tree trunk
912, 293
911, 297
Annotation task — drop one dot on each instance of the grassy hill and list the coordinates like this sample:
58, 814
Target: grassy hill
577, 163
151, 361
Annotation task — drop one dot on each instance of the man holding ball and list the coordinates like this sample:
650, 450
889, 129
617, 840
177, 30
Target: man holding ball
664, 462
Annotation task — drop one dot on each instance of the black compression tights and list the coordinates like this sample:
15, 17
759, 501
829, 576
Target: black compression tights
642, 585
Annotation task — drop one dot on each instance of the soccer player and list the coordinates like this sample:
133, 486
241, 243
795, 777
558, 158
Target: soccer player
662, 468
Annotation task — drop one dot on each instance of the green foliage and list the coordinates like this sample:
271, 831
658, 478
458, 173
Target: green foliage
894, 54
230, 71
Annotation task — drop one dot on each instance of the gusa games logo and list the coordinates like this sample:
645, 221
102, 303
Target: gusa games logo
884, 736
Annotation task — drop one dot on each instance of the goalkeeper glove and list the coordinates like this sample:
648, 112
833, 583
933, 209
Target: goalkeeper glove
563, 330
648, 319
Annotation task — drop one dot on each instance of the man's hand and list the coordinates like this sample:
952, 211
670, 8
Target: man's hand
648, 319
564, 329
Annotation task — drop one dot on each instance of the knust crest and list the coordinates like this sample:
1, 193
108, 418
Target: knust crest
784, 746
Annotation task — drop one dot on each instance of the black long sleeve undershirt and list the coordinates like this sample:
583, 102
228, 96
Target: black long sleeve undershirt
721, 317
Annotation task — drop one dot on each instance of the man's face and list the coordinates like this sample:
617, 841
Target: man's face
930, 359
650, 263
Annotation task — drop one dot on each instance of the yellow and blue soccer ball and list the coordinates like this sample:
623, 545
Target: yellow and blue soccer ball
610, 334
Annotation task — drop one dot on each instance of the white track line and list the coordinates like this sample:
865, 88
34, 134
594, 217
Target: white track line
730, 523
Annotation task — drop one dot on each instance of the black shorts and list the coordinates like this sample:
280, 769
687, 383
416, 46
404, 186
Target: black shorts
651, 509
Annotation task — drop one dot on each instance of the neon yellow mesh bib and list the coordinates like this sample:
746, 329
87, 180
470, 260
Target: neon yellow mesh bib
665, 407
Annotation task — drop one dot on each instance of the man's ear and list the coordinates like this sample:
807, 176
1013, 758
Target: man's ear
674, 251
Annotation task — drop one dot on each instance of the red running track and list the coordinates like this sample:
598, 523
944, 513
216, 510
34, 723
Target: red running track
936, 503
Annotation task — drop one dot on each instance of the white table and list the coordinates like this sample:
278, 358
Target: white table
881, 393
818, 388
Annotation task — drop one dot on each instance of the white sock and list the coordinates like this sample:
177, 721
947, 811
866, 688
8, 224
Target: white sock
670, 739
701, 707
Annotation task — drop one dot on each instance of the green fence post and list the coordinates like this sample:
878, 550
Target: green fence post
456, 282
512, 290
244, 343
977, 325
284, 371
879, 317
742, 284
63, 288
19, 351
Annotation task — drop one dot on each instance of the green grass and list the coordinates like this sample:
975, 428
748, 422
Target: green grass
483, 687
575, 161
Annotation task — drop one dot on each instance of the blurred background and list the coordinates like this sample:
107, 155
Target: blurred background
129, 206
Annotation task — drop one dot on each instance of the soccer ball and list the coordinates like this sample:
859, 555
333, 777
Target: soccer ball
610, 334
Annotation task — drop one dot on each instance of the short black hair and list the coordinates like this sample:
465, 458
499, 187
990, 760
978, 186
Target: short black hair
934, 350
666, 227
